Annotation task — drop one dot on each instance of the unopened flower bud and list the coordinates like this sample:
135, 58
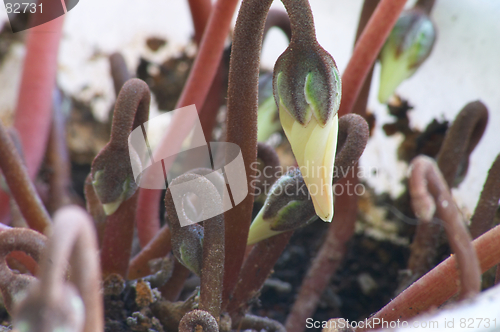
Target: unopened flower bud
287, 207
407, 47
307, 89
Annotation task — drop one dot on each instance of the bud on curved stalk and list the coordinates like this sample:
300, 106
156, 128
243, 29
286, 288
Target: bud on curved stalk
408, 46
307, 90
112, 176
287, 207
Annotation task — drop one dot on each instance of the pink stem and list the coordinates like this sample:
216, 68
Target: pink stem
117, 239
34, 104
200, 12
439, 284
158, 247
195, 92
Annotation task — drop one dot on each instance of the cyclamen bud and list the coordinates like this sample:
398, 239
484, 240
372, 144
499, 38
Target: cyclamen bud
307, 90
287, 207
408, 46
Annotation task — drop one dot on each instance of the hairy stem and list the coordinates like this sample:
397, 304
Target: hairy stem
158, 247
117, 239
195, 92
327, 261
460, 140
242, 107
362, 99
430, 193
57, 159
74, 240
484, 215
173, 288
20, 185
119, 71
212, 265
113, 179
18, 239
256, 269
453, 160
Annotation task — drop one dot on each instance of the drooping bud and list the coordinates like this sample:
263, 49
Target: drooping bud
407, 47
111, 171
288, 206
187, 247
307, 89
101, 188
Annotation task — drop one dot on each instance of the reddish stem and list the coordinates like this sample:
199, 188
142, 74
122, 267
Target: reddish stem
119, 71
453, 160
327, 260
429, 193
362, 99
73, 240
94, 208
158, 247
173, 288
117, 239
242, 126
200, 12
24, 240
461, 139
34, 104
484, 215
425, 5
367, 49
439, 284
257, 268
20, 185
57, 159
32, 118
195, 92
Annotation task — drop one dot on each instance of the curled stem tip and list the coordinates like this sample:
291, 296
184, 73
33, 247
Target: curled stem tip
73, 240
196, 318
430, 195
18, 239
460, 140
112, 174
